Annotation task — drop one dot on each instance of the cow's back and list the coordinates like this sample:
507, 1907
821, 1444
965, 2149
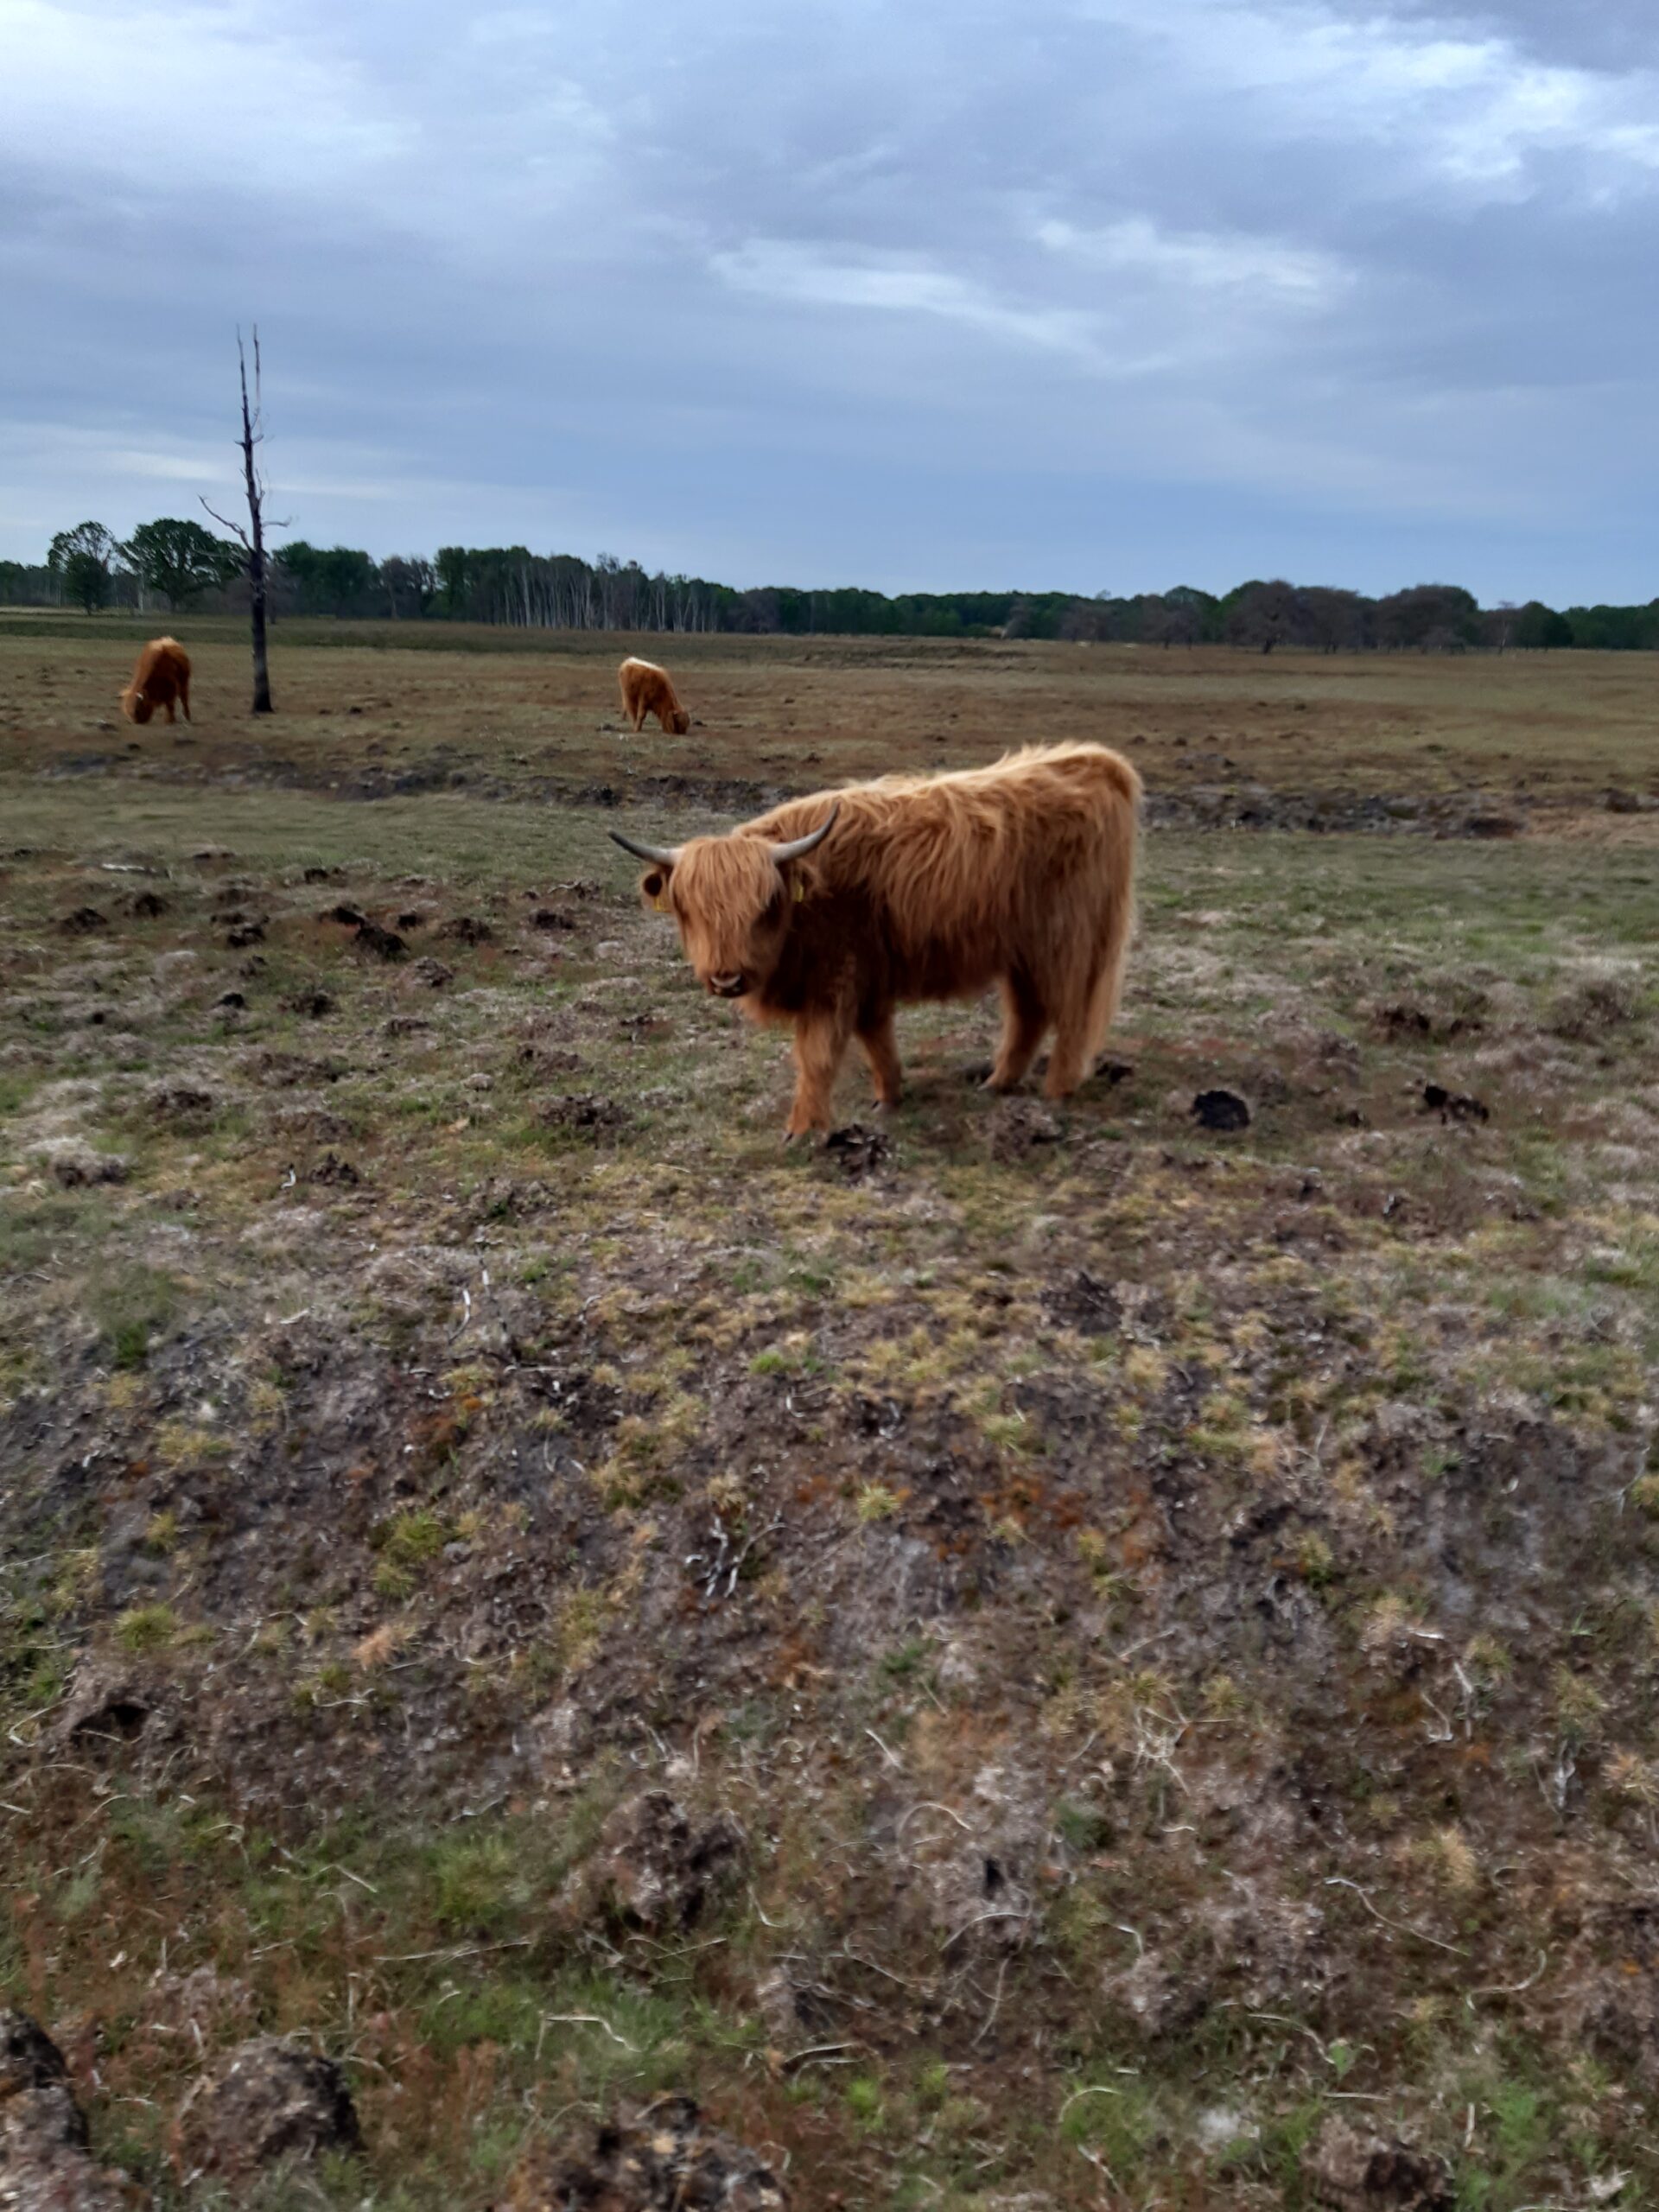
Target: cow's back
952, 876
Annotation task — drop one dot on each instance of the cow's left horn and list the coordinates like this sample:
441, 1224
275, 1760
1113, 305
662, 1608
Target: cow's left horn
797, 847
659, 855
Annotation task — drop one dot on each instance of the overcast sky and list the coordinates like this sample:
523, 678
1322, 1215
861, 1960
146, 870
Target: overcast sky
1099, 295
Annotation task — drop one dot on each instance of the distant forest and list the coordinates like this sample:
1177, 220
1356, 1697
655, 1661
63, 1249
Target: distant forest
168, 565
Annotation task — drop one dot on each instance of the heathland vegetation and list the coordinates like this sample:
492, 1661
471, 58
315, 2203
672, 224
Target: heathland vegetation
1029, 1656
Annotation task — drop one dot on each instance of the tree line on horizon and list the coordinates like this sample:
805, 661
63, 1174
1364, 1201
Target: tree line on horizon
176, 564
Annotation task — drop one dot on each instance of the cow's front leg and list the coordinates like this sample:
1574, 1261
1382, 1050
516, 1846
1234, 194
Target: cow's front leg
820, 1042
882, 1051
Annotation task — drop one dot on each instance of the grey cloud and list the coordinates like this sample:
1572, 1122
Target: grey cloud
1090, 294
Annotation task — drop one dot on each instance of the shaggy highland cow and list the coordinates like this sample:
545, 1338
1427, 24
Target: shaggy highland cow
162, 675
830, 911
647, 690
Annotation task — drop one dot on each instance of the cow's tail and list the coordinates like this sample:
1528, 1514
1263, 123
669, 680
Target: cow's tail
1116, 913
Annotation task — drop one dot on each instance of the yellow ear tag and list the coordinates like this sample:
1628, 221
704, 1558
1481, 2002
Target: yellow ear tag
800, 891
660, 902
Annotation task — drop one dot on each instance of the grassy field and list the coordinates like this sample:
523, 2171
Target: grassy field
1173, 1616
517, 711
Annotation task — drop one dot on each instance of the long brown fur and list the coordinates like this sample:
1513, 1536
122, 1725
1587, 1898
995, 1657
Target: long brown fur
647, 690
162, 675
1020, 875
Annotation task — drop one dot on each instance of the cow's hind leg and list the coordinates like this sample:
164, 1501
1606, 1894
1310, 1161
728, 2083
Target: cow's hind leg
875, 1036
820, 1042
171, 717
184, 696
1073, 1050
1024, 1020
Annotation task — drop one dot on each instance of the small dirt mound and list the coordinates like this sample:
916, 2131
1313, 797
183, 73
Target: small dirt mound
1221, 1110
384, 944
1086, 1304
28, 2057
73, 1165
663, 2158
551, 1060
1402, 1018
244, 934
145, 906
312, 1004
857, 1152
104, 1707
335, 1172
1016, 1127
290, 1071
83, 921
273, 2099
433, 974
1454, 1105
585, 1112
467, 929
44, 2163
652, 1869
180, 1106
553, 917
1351, 2172
1595, 1004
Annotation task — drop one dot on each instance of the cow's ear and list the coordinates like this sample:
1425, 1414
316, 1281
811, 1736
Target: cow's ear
653, 889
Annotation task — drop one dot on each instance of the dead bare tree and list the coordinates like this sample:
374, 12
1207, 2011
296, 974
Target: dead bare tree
253, 538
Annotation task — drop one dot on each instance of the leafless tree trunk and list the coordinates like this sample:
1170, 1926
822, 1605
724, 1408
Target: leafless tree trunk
253, 538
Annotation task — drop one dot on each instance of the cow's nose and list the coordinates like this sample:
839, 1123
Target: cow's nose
726, 986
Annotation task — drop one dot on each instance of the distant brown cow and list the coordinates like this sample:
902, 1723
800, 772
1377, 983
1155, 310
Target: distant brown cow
829, 912
647, 690
162, 675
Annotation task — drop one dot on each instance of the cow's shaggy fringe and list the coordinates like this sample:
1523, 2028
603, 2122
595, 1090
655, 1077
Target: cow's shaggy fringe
646, 689
162, 676
1020, 875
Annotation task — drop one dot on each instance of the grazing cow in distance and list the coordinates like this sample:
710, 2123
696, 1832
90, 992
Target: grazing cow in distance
829, 912
162, 675
647, 690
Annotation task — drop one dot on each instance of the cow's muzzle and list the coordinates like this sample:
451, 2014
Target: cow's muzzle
727, 986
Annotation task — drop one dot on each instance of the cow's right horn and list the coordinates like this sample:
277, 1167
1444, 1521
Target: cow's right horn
659, 855
797, 847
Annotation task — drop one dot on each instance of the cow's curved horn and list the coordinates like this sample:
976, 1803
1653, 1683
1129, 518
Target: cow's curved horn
659, 855
797, 847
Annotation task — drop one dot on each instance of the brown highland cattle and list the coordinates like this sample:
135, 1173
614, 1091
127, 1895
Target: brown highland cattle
647, 690
162, 675
829, 912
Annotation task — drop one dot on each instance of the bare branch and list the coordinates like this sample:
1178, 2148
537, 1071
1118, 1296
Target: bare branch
225, 522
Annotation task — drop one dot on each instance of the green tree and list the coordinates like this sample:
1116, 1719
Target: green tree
454, 567
1538, 628
181, 559
80, 559
332, 580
